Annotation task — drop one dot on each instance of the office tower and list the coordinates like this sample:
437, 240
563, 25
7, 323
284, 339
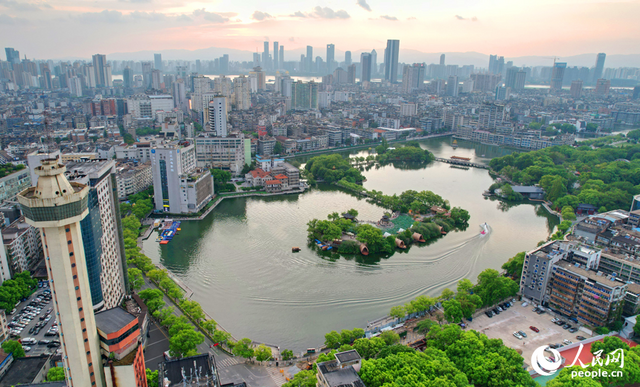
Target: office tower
347, 58
157, 61
351, 74
309, 58
265, 56
224, 64
281, 60
13, 56
493, 59
147, 69
597, 73
374, 63
198, 66
412, 77
57, 207
75, 86
502, 93
365, 63
557, 75
127, 77
521, 78
452, 86
256, 59
442, 60
99, 63
602, 86
218, 116
576, 89
156, 80
304, 95
107, 75
241, 93
101, 232
510, 80
276, 63
180, 95
636, 92
331, 53
391, 56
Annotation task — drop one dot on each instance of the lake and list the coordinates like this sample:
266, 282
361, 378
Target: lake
238, 260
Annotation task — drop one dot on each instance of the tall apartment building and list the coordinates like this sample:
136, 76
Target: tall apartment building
591, 297
218, 116
576, 89
57, 207
13, 183
102, 232
21, 250
304, 95
391, 56
536, 270
132, 178
179, 187
242, 93
557, 76
413, 77
99, 66
230, 153
145, 106
602, 87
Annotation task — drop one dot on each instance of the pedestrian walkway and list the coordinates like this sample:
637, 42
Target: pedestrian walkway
230, 361
277, 376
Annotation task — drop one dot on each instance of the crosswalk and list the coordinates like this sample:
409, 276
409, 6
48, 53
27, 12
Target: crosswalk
277, 377
230, 361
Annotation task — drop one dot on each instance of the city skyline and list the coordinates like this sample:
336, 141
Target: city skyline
126, 26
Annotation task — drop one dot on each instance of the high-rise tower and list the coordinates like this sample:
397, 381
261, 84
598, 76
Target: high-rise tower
276, 62
99, 64
56, 207
157, 61
331, 55
365, 63
391, 60
597, 73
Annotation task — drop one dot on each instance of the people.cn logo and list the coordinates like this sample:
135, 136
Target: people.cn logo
542, 365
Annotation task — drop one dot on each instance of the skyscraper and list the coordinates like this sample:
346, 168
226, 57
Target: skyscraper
157, 61
413, 77
636, 92
576, 89
521, 79
442, 60
347, 58
391, 60
557, 76
57, 207
331, 54
374, 63
309, 58
602, 86
180, 95
224, 63
218, 116
510, 80
99, 64
147, 69
127, 77
365, 63
281, 59
452, 86
13, 56
265, 56
276, 63
597, 73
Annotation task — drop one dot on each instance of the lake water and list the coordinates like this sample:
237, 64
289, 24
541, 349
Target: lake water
238, 261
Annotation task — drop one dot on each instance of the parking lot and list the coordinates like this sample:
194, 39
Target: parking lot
33, 314
520, 318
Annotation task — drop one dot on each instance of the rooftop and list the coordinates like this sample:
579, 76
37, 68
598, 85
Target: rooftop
339, 377
592, 275
23, 370
348, 356
198, 371
113, 320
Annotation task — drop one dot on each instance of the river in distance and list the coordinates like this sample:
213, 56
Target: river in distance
239, 264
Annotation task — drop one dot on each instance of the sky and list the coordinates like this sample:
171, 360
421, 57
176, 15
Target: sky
78, 28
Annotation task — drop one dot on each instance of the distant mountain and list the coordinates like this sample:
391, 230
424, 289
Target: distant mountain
406, 56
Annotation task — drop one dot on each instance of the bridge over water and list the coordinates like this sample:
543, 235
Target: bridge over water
464, 163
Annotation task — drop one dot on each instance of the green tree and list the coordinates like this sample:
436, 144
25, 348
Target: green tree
303, 378
636, 328
287, 354
152, 378
390, 337
221, 336
55, 374
346, 336
185, 343
209, 326
446, 294
153, 298
243, 348
332, 339
369, 348
135, 278
262, 353
193, 309
424, 326
452, 311
564, 379
13, 347
514, 265
608, 345
398, 312
278, 148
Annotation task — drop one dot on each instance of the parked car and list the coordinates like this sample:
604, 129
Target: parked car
566, 326
536, 330
567, 342
525, 304
43, 342
522, 333
26, 349
488, 313
517, 335
573, 330
581, 338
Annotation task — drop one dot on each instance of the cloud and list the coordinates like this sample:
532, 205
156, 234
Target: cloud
136, 1
105, 16
212, 17
323, 13
20, 6
258, 15
464, 18
364, 5
184, 18
152, 16
387, 17
412, 18
292, 39
8, 20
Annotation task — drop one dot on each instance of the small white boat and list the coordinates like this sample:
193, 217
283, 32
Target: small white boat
484, 229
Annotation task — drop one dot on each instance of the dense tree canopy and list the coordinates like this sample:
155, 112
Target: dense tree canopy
606, 177
333, 168
410, 152
514, 265
8, 168
14, 290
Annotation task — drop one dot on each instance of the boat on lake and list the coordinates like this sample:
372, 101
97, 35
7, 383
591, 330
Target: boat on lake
484, 229
454, 144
